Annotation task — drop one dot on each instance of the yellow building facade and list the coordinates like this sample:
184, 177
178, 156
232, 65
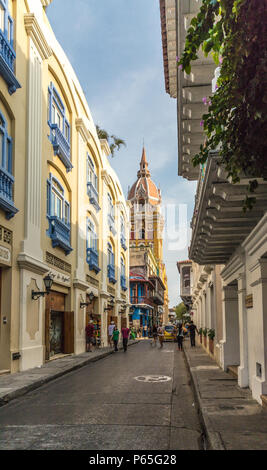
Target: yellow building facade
62, 208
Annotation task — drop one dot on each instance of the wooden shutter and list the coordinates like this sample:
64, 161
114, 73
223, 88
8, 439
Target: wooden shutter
68, 345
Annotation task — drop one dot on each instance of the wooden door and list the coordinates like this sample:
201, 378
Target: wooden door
68, 342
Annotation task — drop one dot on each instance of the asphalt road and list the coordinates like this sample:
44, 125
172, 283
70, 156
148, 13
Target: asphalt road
102, 406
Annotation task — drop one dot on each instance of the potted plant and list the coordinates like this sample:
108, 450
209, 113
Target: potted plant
205, 332
200, 332
211, 335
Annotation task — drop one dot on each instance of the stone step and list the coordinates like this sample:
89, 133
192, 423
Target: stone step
233, 370
4, 371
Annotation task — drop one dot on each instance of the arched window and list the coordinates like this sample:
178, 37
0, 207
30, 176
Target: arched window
92, 248
60, 127
58, 214
111, 264
123, 274
92, 183
6, 177
123, 234
111, 214
7, 52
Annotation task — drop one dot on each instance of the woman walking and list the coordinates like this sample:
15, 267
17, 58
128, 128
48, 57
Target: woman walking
180, 337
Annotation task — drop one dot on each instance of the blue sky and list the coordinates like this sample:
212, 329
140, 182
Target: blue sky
115, 49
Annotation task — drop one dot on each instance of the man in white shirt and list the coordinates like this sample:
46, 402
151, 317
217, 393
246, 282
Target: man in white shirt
110, 332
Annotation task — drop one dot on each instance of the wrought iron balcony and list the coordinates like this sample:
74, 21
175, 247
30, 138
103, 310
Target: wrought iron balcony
111, 274
6, 193
111, 223
123, 283
61, 146
59, 232
92, 260
7, 59
123, 242
93, 196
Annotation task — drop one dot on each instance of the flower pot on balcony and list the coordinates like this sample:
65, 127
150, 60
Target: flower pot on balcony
200, 339
205, 341
211, 345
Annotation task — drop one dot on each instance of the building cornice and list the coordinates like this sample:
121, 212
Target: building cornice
82, 129
31, 264
35, 32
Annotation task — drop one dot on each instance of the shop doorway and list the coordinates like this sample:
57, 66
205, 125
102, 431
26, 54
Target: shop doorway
59, 326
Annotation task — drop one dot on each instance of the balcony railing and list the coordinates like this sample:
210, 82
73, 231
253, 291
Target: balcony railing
59, 232
141, 300
92, 260
111, 274
7, 59
93, 196
111, 223
123, 242
123, 282
61, 146
6, 193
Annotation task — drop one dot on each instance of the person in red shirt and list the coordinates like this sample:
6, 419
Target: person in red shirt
125, 337
89, 330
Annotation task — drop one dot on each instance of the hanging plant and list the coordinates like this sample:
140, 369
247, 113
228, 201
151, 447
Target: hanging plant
234, 32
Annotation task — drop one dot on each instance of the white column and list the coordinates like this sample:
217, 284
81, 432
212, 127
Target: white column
243, 375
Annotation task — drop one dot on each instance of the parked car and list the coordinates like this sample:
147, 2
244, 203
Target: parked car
169, 333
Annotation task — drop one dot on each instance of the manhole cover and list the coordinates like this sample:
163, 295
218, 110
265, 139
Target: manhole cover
153, 378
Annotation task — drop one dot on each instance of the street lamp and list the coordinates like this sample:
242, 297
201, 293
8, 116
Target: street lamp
48, 281
91, 298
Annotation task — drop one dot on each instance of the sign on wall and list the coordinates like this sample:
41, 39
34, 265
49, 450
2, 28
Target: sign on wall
249, 301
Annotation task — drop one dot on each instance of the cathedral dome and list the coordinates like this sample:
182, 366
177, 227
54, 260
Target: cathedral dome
144, 188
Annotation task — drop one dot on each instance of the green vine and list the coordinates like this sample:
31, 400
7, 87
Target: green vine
234, 32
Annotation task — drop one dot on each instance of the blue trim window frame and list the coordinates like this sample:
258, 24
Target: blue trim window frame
6, 177
92, 183
111, 215
123, 276
123, 237
111, 265
91, 247
58, 215
7, 52
59, 127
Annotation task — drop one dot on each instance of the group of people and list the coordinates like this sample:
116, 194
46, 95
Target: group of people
180, 334
114, 334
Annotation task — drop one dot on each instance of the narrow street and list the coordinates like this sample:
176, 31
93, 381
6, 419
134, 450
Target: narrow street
103, 406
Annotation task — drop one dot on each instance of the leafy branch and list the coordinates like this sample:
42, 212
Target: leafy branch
234, 32
114, 142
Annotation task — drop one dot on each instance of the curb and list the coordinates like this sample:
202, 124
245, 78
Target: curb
213, 438
33, 386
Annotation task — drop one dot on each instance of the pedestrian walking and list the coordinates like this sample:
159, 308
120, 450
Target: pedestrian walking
180, 337
192, 332
155, 335
110, 332
125, 336
161, 335
89, 332
115, 338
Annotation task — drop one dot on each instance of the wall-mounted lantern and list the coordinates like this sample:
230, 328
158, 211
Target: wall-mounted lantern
48, 281
91, 298
111, 304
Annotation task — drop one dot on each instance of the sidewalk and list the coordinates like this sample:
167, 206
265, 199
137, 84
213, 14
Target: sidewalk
232, 419
15, 385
